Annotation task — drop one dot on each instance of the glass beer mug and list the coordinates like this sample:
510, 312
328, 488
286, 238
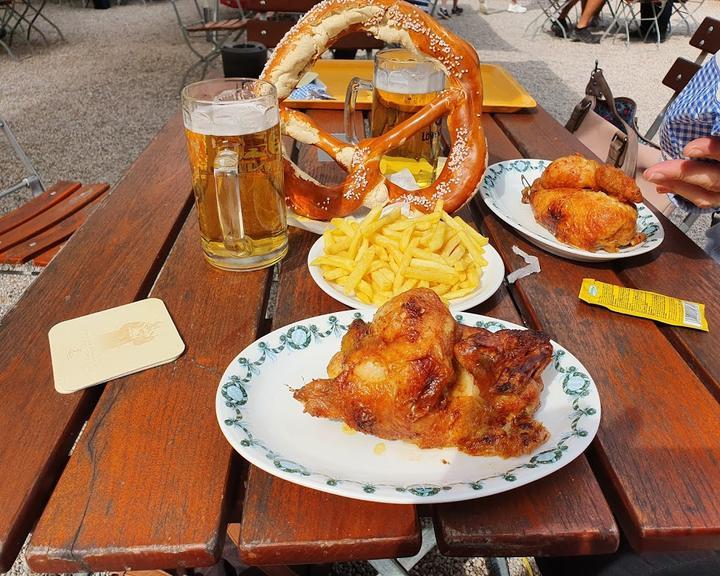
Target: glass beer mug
403, 82
232, 127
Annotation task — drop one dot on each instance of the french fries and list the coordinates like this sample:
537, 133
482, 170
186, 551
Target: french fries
383, 255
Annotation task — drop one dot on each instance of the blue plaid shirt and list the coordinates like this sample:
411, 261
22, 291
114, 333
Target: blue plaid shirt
695, 113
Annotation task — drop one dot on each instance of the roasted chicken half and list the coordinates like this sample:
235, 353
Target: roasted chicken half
414, 374
586, 204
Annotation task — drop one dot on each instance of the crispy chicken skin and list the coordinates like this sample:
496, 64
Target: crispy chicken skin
506, 367
576, 171
391, 372
414, 374
586, 204
587, 219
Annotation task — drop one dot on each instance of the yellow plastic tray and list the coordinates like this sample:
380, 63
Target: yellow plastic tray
501, 92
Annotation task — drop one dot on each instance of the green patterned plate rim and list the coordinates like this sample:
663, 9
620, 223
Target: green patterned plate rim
262, 421
501, 190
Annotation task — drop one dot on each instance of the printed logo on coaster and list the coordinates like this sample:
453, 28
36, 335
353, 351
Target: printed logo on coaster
113, 343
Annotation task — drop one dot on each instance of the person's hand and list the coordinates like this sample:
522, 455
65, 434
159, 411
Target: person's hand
698, 182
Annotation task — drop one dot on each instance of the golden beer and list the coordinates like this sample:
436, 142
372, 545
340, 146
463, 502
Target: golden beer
403, 82
420, 152
236, 162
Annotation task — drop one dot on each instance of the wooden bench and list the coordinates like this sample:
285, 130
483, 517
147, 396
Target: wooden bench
37, 229
262, 25
228, 25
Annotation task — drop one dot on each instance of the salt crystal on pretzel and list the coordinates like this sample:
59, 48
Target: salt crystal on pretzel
394, 22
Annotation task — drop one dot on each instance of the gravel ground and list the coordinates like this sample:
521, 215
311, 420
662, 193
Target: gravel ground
85, 108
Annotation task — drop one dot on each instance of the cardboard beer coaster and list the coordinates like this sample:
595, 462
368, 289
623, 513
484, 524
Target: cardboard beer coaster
112, 343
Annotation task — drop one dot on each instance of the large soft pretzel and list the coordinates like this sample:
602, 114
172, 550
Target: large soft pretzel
394, 22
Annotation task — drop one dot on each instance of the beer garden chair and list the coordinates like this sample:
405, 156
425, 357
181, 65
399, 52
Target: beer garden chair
37, 229
626, 16
263, 21
549, 14
36, 13
22, 15
686, 10
707, 39
5, 17
207, 26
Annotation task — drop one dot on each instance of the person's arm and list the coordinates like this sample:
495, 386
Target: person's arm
698, 182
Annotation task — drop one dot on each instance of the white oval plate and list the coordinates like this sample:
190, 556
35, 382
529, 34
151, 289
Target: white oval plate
267, 426
490, 280
502, 191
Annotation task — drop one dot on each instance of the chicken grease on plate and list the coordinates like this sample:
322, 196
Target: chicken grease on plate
586, 204
415, 374
383, 255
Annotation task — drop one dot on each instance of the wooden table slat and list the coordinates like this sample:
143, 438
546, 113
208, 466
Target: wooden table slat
165, 414
563, 514
659, 420
129, 234
656, 271
284, 521
544, 517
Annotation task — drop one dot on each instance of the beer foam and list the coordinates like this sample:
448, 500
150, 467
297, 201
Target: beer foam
230, 118
422, 79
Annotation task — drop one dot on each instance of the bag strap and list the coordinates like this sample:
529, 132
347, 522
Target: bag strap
625, 156
579, 113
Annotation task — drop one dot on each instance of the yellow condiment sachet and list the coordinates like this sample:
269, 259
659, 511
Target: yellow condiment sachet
644, 304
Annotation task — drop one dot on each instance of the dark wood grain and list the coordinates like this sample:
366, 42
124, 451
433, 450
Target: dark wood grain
562, 514
285, 523
129, 235
680, 73
153, 463
658, 438
226, 25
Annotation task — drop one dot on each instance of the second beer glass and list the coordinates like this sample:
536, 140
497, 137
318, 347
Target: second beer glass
403, 83
233, 134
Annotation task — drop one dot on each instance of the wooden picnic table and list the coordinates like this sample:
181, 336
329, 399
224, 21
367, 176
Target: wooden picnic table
136, 474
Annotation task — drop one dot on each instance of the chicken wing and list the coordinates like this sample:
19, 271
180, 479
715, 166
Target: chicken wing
414, 374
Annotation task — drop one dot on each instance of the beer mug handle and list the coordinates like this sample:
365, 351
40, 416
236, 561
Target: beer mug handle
229, 205
356, 84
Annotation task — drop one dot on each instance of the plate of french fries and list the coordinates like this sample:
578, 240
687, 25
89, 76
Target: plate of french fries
363, 263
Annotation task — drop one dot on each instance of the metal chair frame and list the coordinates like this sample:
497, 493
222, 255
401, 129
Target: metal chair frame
218, 38
550, 9
5, 17
23, 18
37, 13
32, 179
686, 14
626, 13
